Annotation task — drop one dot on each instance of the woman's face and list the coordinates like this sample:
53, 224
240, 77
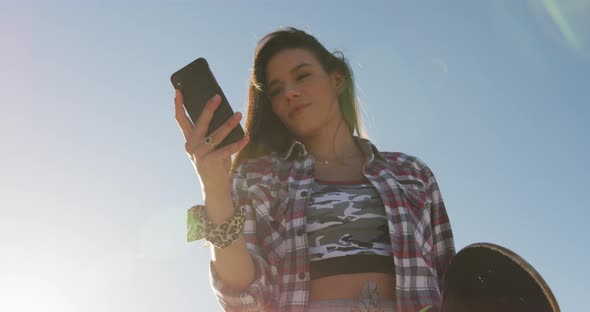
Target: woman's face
303, 95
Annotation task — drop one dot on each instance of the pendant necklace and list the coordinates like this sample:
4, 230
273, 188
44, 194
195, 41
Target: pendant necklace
327, 162
324, 162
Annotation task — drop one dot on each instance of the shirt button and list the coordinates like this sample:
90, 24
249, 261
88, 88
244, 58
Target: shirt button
300, 232
301, 275
304, 194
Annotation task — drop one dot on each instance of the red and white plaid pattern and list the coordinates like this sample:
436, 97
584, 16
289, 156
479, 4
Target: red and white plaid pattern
274, 190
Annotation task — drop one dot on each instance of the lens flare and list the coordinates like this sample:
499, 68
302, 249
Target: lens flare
552, 8
569, 19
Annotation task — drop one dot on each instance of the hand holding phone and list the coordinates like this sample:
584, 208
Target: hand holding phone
210, 118
198, 85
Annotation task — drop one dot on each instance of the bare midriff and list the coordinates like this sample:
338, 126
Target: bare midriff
349, 286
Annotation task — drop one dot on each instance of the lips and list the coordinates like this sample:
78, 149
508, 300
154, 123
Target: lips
298, 109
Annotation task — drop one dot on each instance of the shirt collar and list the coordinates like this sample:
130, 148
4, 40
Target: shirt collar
297, 150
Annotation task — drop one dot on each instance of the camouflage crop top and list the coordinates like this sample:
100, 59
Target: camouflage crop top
347, 230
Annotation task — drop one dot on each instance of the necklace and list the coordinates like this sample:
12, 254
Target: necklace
326, 162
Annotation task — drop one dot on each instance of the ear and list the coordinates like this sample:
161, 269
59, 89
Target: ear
338, 81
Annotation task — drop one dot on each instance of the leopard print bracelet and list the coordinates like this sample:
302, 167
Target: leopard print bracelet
200, 227
227, 233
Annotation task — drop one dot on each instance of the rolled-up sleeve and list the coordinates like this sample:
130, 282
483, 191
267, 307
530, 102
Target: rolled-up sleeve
258, 293
251, 298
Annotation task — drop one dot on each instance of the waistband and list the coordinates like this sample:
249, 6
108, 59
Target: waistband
340, 305
367, 301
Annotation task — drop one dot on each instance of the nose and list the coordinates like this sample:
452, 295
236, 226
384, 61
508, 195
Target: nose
291, 92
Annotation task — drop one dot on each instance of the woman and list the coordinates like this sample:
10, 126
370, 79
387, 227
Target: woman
313, 217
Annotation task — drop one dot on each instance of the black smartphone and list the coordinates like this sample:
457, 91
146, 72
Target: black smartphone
198, 85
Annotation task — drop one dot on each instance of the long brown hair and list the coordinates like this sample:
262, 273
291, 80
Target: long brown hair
267, 132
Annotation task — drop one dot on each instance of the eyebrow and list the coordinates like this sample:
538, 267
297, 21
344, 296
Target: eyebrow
274, 81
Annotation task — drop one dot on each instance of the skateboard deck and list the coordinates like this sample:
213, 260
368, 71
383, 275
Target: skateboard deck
485, 277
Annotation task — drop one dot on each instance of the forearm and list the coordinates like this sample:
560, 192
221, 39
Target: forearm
233, 264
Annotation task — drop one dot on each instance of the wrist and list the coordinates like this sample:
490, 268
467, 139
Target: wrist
225, 234
219, 207
216, 192
218, 217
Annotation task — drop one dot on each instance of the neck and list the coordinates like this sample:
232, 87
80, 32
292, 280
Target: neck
331, 145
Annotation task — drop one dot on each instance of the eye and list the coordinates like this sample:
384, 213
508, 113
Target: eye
302, 76
274, 92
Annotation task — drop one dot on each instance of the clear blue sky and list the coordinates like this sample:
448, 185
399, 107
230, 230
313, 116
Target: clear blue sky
95, 183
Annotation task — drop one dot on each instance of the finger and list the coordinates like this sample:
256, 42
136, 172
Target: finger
220, 133
185, 124
231, 149
204, 119
198, 150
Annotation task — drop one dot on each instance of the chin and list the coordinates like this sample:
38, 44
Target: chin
304, 133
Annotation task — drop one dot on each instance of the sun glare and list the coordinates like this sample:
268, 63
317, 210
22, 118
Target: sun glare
32, 295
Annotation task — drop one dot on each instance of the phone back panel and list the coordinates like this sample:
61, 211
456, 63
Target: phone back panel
198, 85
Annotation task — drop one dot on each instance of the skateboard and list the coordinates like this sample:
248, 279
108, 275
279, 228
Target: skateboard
485, 277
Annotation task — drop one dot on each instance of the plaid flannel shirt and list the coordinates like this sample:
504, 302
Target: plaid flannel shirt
274, 190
